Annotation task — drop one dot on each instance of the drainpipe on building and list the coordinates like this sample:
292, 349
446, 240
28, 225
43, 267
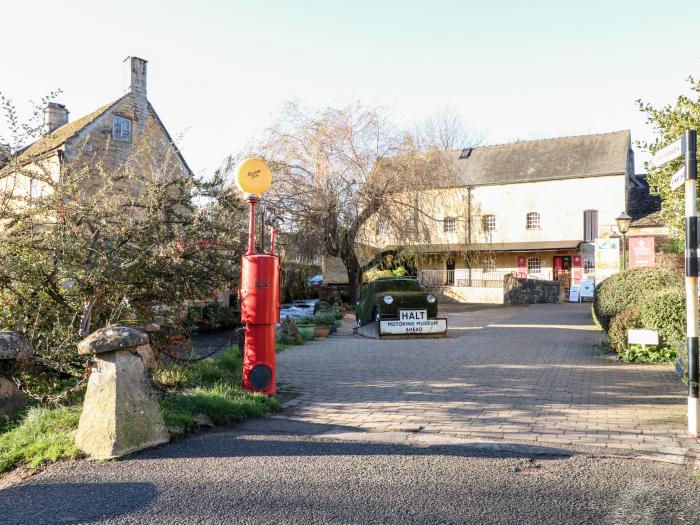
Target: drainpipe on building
469, 233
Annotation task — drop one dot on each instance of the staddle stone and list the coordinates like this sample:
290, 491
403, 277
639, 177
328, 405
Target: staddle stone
12, 398
14, 346
112, 338
120, 412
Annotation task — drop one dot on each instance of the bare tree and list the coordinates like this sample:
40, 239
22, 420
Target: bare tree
445, 130
337, 168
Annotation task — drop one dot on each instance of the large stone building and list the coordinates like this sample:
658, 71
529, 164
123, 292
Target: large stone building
127, 131
532, 208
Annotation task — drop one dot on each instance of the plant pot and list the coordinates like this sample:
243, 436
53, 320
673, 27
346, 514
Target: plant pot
338, 324
306, 331
321, 330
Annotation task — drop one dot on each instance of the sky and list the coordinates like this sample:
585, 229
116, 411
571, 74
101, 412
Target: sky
219, 71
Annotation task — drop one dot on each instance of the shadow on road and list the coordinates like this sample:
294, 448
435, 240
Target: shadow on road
73, 502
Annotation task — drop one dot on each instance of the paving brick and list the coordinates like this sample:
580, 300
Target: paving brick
526, 383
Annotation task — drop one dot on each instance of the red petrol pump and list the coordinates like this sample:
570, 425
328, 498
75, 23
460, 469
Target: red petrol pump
259, 291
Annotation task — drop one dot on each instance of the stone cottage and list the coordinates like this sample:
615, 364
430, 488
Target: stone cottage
111, 135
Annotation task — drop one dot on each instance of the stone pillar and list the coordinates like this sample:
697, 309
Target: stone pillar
120, 412
14, 348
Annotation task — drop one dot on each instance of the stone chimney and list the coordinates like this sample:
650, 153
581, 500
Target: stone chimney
55, 116
135, 75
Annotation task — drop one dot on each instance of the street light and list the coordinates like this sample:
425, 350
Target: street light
623, 225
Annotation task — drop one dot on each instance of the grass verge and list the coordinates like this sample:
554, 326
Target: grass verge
209, 388
43, 436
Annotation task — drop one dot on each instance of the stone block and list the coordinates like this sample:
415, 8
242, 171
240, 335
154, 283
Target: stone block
14, 346
12, 398
147, 355
120, 412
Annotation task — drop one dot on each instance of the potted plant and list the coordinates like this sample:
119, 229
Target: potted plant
325, 324
306, 326
322, 326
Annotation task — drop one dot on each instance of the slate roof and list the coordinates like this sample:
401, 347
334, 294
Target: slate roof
644, 208
546, 159
61, 135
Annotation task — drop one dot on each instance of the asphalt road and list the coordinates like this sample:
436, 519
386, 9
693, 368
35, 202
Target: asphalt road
276, 471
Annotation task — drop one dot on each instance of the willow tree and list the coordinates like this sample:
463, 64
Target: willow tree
337, 168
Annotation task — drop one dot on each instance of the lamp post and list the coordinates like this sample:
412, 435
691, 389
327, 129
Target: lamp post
259, 291
623, 225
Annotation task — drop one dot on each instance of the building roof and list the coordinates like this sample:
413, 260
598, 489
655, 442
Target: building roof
61, 135
643, 207
534, 246
546, 159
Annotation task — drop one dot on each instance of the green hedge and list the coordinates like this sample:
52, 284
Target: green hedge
622, 290
625, 320
664, 311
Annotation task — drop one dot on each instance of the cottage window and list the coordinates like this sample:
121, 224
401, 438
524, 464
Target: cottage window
489, 264
534, 265
449, 224
588, 264
533, 221
34, 189
590, 225
488, 223
121, 129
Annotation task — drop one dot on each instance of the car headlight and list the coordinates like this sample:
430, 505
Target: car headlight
388, 299
430, 298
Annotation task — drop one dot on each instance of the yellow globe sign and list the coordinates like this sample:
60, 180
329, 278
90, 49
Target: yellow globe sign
253, 176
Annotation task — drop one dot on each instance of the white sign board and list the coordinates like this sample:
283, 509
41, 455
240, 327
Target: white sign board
399, 327
678, 179
574, 293
643, 337
587, 289
413, 315
607, 257
669, 153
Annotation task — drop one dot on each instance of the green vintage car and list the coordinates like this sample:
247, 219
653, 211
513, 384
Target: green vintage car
383, 298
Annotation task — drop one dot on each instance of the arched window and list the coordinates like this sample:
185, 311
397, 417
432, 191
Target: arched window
532, 221
534, 265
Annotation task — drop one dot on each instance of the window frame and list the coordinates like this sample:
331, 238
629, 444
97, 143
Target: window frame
449, 224
533, 221
120, 122
488, 222
489, 265
531, 269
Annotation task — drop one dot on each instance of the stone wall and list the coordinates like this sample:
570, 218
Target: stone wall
468, 294
517, 290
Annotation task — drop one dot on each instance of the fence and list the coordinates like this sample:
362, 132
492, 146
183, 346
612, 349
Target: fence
471, 278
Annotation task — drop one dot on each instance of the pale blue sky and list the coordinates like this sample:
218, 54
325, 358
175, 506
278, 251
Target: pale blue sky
219, 70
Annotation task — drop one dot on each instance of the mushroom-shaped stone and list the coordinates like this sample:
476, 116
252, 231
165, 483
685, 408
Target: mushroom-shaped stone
120, 410
14, 346
111, 339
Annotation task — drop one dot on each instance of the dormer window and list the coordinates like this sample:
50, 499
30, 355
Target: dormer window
121, 129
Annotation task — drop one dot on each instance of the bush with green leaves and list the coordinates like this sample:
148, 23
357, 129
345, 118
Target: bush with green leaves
618, 292
664, 311
628, 319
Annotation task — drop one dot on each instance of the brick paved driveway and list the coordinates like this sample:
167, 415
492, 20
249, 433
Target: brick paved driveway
530, 374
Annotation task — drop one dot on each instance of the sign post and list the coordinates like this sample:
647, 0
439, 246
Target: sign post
687, 145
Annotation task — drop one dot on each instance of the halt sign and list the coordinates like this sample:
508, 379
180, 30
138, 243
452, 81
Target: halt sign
413, 315
412, 322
